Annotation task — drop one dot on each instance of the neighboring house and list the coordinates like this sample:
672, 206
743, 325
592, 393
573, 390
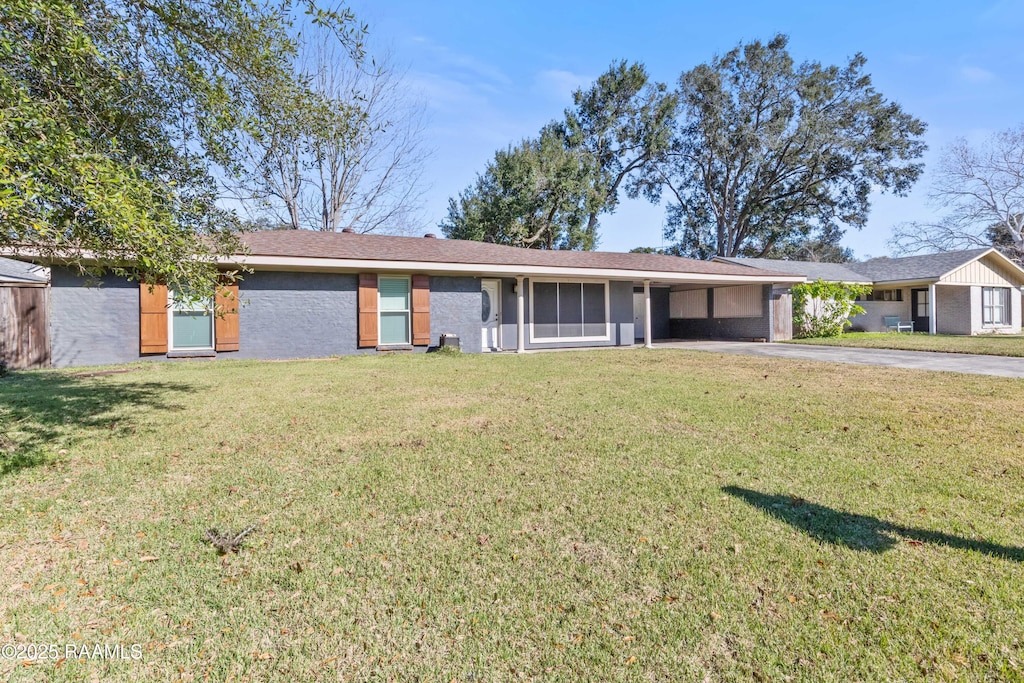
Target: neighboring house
24, 338
313, 294
977, 291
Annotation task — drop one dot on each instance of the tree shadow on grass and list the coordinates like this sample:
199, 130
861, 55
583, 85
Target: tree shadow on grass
859, 532
42, 411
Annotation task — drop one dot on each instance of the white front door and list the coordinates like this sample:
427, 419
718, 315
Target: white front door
490, 310
639, 310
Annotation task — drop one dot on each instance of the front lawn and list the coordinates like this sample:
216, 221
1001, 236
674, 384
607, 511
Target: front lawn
989, 344
645, 515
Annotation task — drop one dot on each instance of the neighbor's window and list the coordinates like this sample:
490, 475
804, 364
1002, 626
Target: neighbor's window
394, 310
995, 309
884, 295
191, 322
569, 310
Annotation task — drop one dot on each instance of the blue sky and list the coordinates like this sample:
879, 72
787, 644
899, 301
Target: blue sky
494, 73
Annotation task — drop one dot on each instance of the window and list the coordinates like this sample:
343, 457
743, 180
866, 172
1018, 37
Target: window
922, 303
191, 322
995, 305
568, 310
394, 310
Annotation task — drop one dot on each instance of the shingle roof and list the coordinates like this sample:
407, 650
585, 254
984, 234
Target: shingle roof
333, 245
839, 272
925, 267
19, 271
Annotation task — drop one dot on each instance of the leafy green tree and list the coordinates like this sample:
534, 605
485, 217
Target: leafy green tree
550, 192
824, 309
122, 121
765, 150
537, 194
622, 122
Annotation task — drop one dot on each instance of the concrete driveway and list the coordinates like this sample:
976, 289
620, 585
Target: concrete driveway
913, 360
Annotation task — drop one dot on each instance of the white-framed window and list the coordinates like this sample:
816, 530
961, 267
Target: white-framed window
190, 322
995, 306
569, 311
394, 310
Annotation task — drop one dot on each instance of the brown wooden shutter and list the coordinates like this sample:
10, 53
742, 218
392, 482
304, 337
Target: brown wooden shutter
421, 310
367, 309
152, 318
226, 321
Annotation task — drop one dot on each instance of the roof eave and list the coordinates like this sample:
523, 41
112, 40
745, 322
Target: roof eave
509, 270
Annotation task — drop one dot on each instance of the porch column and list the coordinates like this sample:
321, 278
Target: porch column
931, 309
647, 314
520, 308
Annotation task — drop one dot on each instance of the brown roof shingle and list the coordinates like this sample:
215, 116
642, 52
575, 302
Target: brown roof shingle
334, 245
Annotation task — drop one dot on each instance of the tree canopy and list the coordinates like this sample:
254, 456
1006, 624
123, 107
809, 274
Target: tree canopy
766, 151
123, 120
549, 192
755, 154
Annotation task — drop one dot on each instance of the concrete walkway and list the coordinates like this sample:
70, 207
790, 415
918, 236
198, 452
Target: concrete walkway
913, 360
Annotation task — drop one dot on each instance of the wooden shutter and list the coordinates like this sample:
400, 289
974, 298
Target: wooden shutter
226, 321
152, 318
421, 310
367, 309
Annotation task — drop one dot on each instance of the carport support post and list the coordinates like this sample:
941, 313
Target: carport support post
520, 308
931, 309
647, 314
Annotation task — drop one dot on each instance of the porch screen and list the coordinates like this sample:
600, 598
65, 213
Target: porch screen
570, 310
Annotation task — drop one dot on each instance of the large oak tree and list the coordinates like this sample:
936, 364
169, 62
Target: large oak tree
767, 152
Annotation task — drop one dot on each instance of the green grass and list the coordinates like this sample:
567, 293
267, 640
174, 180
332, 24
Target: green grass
989, 344
639, 515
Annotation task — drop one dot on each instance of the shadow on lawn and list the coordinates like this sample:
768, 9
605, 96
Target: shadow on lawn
859, 532
41, 411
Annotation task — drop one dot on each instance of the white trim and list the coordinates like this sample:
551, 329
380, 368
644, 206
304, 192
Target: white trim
298, 263
407, 311
932, 309
170, 327
580, 281
647, 315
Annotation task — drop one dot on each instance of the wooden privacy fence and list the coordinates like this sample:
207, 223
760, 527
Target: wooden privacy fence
25, 326
782, 315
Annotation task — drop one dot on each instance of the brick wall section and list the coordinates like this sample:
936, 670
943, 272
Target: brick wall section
455, 307
873, 319
92, 325
282, 315
728, 328
296, 315
953, 309
1017, 309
